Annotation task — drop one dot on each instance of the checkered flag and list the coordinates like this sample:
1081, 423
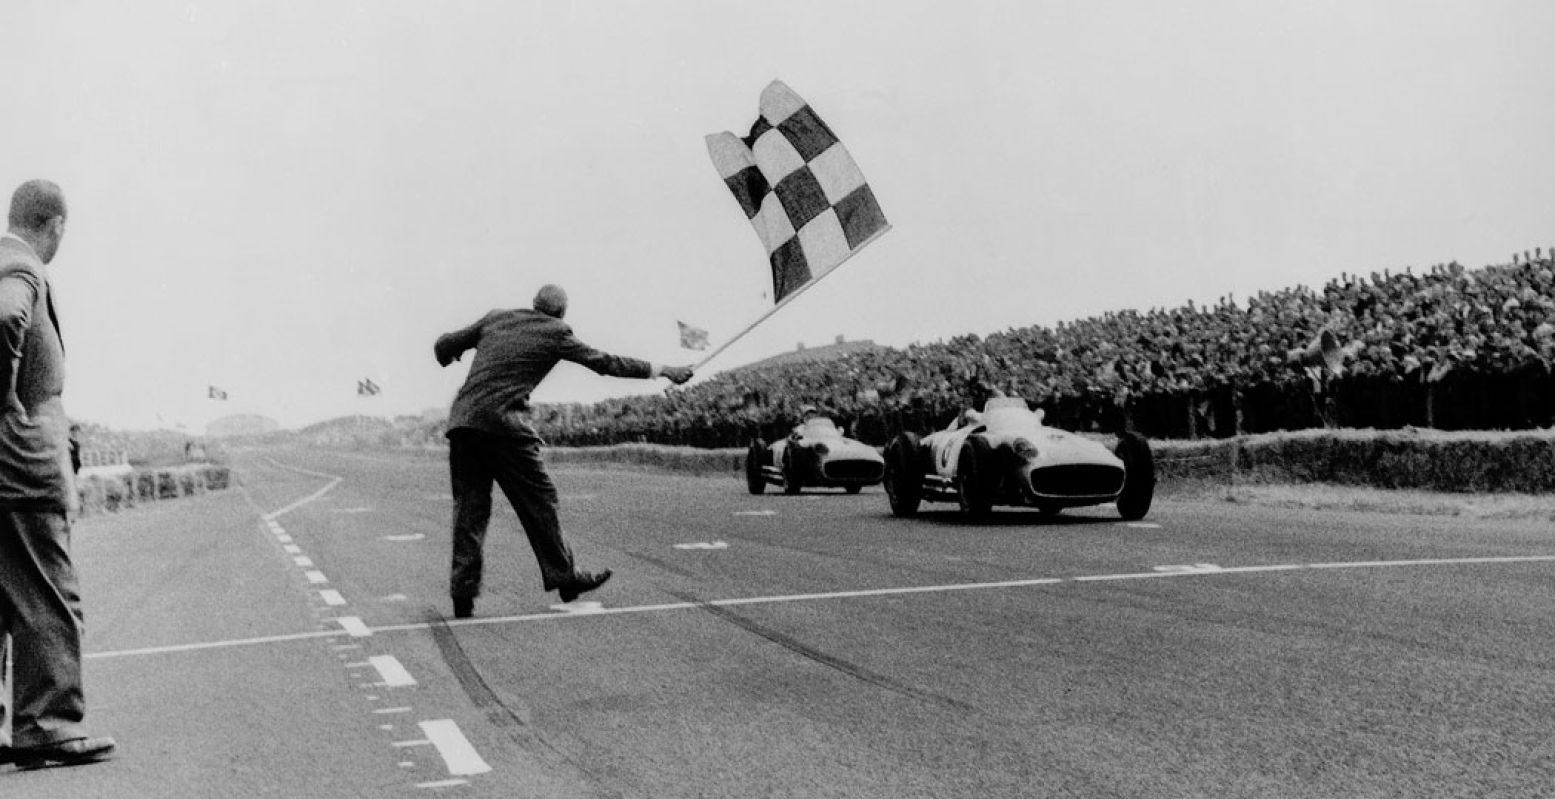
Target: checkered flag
799, 187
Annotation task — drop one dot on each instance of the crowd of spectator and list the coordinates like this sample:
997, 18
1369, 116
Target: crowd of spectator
1447, 346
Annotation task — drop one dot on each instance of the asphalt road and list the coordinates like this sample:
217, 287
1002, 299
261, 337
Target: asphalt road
288, 638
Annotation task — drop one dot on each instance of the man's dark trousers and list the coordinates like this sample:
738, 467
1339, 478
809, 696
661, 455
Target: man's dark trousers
40, 605
475, 460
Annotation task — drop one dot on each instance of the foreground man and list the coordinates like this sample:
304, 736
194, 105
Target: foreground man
490, 440
40, 604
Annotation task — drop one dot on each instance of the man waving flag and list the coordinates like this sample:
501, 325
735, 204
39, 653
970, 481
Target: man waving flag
799, 188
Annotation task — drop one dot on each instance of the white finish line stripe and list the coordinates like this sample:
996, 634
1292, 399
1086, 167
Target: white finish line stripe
394, 675
462, 759
354, 626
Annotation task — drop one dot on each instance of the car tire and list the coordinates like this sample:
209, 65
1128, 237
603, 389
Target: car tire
853, 489
792, 481
755, 459
975, 477
903, 479
1048, 511
1138, 476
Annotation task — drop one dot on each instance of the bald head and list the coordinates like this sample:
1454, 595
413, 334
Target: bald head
38, 215
34, 203
551, 300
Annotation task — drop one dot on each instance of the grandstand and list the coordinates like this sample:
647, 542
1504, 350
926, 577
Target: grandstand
1447, 347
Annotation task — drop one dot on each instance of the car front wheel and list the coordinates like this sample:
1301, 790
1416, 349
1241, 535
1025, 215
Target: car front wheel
1138, 476
903, 480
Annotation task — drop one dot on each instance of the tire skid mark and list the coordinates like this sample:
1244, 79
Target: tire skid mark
811, 653
502, 716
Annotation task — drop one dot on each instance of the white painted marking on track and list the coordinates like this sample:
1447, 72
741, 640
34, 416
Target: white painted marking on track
1194, 568
394, 675
332, 597
334, 480
1142, 525
458, 754
393, 598
405, 537
352, 510
755, 513
761, 600
392, 710
315, 577
292, 549
354, 626
442, 783
704, 545
283, 538
579, 607
408, 744
304, 561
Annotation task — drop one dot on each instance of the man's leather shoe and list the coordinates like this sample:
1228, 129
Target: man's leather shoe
464, 607
581, 583
73, 752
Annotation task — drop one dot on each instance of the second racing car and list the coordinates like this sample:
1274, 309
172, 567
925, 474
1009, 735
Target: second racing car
815, 454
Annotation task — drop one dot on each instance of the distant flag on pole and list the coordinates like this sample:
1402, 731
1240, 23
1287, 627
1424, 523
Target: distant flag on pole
692, 338
799, 188
215, 393
367, 388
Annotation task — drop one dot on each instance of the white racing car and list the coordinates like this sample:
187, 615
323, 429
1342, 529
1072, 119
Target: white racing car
1006, 456
816, 454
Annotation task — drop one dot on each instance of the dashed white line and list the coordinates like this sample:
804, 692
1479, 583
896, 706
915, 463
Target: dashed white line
332, 597
442, 783
304, 561
394, 675
292, 549
283, 538
315, 577
460, 757
405, 537
354, 626
392, 710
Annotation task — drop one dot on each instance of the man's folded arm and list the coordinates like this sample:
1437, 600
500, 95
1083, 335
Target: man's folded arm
18, 292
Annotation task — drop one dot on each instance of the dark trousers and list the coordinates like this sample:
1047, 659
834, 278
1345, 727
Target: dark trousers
40, 607
475, 460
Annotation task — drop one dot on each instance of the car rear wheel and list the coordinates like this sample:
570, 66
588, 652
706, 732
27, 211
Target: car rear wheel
755, 459
1138, 476
974, 477
903, 480
792, 482
853, 489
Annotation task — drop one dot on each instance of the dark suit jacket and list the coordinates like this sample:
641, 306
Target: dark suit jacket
514, 351
34, 447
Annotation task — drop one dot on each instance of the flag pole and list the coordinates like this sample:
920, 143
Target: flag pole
786, 300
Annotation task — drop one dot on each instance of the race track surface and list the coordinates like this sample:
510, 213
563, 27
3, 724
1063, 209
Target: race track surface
293, 637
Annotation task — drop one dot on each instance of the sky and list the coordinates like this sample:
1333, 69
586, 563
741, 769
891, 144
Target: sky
283, 198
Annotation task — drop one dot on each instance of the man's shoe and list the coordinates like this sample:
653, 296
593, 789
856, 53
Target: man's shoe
74, 752
464, 607
581, 583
